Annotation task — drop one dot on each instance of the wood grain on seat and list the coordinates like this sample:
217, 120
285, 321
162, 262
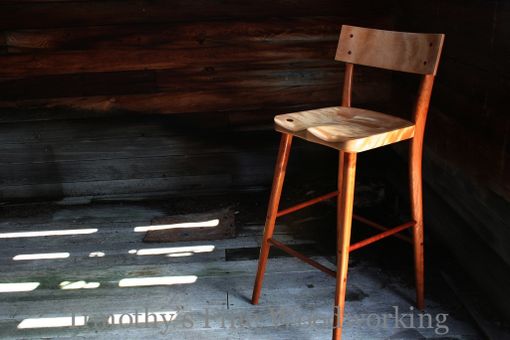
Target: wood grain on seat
346, 128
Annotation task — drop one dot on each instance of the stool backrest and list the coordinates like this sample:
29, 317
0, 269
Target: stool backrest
397, 51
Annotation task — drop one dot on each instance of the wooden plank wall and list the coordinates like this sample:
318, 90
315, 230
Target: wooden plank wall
467, 160
83, 85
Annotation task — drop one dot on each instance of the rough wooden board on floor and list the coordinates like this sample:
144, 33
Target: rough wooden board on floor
223, 287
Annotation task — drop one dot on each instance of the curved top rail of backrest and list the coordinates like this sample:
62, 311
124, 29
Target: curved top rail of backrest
397, 51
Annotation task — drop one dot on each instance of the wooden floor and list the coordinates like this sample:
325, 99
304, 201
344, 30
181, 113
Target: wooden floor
212, 284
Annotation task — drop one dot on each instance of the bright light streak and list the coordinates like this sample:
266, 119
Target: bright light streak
211, 223
180, 254
157, 281
97, 254
48, 233
175, 250
18, 287
63, 321
42, 256
67, 285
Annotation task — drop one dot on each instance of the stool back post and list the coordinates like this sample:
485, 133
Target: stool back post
346, 173
420, 119
420, 112
346, 101
347, 89
415, 183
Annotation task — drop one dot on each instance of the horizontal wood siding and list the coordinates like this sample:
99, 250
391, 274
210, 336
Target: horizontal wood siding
83, 84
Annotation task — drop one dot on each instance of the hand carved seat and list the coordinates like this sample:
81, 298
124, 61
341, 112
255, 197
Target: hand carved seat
345, 128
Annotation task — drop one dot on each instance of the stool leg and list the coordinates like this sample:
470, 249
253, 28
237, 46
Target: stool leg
346, 177
417, 214
274, 200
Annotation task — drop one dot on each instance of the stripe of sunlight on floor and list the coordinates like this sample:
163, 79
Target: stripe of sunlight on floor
204, 224
45, 233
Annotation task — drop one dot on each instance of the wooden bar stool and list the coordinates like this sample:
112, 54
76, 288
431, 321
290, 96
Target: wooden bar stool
351, 130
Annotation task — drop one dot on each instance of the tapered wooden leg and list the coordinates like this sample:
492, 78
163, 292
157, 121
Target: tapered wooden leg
415, 160
417, 214
346, 178
272, 210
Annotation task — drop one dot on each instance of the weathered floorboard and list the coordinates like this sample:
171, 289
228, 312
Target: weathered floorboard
293, 292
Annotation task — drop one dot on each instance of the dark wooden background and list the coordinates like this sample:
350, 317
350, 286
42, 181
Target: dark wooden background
467, 155
83, 85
